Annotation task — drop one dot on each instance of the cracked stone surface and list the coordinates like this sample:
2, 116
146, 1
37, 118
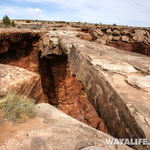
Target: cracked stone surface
20, 80
104, 72
59, 131
142, 82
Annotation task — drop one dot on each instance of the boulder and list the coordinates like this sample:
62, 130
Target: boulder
125, 39
84, 36
116, 32
56, 131
139, 36
108, 31
20, 80
116, 38
49, 45
53, 42
98, 33
109, 38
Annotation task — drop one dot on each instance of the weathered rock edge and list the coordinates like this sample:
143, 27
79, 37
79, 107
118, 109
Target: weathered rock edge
59, 131
123, 107
20, 80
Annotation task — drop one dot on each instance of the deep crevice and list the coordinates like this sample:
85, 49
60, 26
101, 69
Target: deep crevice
60, 88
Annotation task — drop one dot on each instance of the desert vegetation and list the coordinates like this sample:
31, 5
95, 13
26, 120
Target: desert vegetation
6, 20
16, 107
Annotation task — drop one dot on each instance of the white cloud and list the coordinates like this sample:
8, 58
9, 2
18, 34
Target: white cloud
125, 12
17, 11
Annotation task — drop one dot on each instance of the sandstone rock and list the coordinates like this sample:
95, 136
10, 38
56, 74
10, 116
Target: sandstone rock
96, 35
142, 82
85, 36
59, 131
49, 45
109, 38
116, 38
116, 32
4, 46
125, 39
20, 80
108, 85
94, 148
125, 32
109, 31
14, 36
110, 64
139, 36
99, 32
148, 34
54, 42
101, 41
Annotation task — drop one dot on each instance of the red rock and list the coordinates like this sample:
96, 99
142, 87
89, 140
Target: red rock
59, 87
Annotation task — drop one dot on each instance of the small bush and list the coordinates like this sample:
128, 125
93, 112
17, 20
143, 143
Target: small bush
6, 20
28, 21
13, 24
54, 29
17, 107
96, 24
68, 23
114, 24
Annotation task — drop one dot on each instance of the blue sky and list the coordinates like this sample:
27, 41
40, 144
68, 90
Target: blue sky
121, 12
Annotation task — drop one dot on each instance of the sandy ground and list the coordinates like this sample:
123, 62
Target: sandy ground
9, 130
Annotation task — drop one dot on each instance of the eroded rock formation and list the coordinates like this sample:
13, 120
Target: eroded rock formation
60, 88
21, 81
111, 77
54, 130
133, 39
116, 82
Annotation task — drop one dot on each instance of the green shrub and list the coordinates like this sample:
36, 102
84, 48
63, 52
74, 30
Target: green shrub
13, 24
114, 24
68, 23
54, 29
6, 20
96, 24
17, 107
28, 21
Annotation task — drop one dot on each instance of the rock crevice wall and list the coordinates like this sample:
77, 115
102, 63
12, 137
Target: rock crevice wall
105, 73
59, 87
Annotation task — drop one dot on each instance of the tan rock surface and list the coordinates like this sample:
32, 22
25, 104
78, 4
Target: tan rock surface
20, 80
57, 131
108, 91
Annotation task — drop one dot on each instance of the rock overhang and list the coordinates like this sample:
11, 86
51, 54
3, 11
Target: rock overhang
114, 76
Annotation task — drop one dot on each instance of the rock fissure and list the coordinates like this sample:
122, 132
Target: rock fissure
60, 88
76, 73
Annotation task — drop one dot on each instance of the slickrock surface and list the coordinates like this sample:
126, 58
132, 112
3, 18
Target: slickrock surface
55, 130
106, 74
20, 80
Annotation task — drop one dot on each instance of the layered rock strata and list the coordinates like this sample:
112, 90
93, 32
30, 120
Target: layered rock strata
135, 39
20, 80
59, 87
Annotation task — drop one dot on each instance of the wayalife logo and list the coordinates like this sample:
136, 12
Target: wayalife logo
126, 141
